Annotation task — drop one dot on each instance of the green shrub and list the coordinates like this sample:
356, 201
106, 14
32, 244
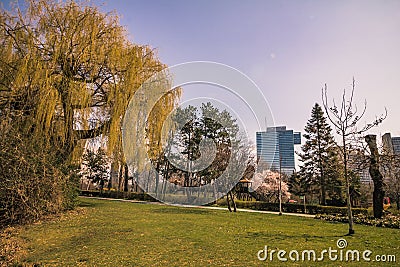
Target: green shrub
339, 210
292, 207
119, 195
33, 182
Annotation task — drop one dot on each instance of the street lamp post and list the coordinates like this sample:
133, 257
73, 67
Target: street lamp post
280, 185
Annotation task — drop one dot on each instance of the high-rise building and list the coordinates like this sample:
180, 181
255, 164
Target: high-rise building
275, 148
396, 145
391, 145
356, 163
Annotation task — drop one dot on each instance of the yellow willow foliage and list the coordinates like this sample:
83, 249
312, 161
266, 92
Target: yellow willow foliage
65, 62
158, 119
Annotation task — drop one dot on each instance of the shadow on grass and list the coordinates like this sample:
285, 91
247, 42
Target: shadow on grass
179, 210
87, 203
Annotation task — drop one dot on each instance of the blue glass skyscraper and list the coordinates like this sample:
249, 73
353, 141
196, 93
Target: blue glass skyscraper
275, 148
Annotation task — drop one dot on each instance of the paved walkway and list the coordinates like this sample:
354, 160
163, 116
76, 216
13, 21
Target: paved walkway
202, 207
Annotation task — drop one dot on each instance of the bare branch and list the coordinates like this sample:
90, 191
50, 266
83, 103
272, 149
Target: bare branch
92, 133
328, 110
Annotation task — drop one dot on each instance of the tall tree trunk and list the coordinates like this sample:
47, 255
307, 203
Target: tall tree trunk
126, 177
88, 181
323, 191
119, 179
166, 180
157, 176
376, 176
228, 202
349, 211
321, 168
233, 201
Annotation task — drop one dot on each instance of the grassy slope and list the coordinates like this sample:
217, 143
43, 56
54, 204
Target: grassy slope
114, 233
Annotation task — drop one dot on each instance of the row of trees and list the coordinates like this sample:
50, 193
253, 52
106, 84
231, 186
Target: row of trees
204, 147
200, 137
320, 172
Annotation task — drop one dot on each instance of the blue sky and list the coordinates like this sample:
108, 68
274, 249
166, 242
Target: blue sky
288, 48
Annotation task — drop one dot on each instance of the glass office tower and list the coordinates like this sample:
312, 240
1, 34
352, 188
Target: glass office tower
275, 148
391, 145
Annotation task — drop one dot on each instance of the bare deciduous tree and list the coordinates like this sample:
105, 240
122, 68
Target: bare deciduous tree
345, 119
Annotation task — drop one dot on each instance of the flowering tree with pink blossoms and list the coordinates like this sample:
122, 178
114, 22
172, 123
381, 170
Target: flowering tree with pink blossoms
266, 185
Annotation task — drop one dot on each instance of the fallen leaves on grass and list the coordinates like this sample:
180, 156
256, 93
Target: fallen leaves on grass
11, 246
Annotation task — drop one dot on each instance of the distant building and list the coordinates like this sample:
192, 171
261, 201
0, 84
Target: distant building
275, 148
391, 145
358, 163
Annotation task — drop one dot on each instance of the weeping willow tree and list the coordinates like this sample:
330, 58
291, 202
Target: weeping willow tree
68, 73
61, 62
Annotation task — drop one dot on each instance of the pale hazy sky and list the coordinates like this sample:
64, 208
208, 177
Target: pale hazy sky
289, 48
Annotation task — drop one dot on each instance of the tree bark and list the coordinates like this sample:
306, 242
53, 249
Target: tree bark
321, 168
233, 201
119, 179
376, 176
228, 202
348, 197
126, 177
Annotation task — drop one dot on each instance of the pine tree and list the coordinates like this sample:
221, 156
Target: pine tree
334, 178
318, 156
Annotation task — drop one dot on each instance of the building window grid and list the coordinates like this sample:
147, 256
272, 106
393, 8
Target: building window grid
276, 147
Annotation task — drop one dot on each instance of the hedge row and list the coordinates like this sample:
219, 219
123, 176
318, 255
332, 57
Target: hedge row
119, 195
293, 207
254, 205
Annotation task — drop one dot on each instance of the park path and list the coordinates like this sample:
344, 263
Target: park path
202, 207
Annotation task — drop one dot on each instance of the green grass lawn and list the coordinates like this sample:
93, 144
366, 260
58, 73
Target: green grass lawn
113, 233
